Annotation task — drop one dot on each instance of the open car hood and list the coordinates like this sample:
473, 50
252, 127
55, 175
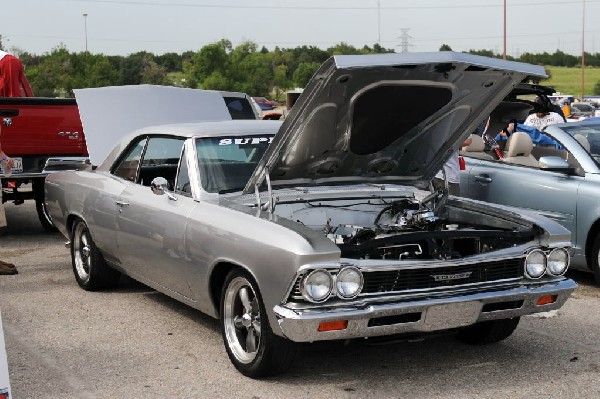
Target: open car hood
385, 118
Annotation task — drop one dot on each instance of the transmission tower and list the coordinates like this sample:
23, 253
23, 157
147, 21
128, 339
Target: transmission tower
404, 37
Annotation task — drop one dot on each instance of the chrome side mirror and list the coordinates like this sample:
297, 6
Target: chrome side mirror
159, 185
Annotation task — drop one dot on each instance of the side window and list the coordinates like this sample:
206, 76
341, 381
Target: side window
127, 168
183, 185
160, 160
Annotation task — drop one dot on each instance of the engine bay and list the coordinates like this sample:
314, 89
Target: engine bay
405, 227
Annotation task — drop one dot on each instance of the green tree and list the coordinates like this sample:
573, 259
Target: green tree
485, 53
211, 58
171, 62
217, 81
343, 48
304, 72
54, 75
597, 88
445, 47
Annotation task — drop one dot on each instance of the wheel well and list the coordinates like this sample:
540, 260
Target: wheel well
589, 242
217, 279
70, 221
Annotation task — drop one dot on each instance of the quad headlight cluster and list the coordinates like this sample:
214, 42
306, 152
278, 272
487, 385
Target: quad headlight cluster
320, 284
538, 263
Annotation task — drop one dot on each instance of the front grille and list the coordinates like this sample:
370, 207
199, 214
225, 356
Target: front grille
388, 281
420, 279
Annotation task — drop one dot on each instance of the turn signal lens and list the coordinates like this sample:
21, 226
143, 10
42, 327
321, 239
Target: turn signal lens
333, 325
546, 300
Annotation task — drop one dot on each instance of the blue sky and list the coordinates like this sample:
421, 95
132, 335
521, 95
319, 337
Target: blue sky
120, 27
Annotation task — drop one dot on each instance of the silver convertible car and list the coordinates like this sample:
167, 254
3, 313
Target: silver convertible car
559, 179
323, 227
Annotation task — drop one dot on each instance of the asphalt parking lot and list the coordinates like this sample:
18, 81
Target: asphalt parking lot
132, 342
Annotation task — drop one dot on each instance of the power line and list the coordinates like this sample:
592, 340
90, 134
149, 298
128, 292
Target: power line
338, 8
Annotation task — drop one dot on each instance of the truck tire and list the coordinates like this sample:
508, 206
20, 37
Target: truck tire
488, 332
40, 206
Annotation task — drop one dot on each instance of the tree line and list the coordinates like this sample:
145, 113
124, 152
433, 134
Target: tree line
217, 66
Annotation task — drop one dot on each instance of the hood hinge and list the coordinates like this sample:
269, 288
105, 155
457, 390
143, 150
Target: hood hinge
270, 204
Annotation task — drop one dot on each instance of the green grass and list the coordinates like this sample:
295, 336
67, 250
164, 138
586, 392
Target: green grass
568, 80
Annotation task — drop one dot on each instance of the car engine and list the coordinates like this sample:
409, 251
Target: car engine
405, 227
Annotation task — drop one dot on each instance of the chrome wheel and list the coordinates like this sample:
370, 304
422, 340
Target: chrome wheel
241, 318
82, 252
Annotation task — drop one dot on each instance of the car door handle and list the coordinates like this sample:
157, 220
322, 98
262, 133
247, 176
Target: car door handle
483, 178
122, 203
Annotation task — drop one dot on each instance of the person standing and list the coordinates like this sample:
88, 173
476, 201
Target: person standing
13, 82
450, 172
7, 162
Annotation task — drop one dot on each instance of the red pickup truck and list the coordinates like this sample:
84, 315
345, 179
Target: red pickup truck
42, 135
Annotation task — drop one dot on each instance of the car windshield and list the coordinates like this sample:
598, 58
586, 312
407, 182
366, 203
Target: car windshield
226, 163
589, 136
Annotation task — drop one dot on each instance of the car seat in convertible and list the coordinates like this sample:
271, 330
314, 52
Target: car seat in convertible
519, 150
476, 148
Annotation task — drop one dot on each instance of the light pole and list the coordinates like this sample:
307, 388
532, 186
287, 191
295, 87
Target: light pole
85, 28
583, 52
379, 22
504, 52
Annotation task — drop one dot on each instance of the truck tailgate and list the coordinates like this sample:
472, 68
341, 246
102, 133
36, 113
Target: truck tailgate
41, 126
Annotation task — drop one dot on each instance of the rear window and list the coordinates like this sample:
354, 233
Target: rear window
239, 108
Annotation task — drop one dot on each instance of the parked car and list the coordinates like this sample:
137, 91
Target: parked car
266, 104
562, 184
321, 227
582, 110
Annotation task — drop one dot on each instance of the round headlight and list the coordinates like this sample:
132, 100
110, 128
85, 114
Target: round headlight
317, 286
558, 262
348, 282
535, 264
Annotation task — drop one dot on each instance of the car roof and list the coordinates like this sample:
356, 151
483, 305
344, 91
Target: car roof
195, 129
211, 128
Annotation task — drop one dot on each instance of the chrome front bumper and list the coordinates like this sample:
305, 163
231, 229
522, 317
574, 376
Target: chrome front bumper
433, 314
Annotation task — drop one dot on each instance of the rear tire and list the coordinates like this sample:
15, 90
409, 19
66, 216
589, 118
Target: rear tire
488, 332
91, 271
40, 206
595, 259
250, 343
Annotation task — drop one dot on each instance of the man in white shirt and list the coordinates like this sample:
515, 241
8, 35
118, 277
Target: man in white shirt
542, 117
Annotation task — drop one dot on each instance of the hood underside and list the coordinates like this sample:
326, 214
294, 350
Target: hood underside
385, 118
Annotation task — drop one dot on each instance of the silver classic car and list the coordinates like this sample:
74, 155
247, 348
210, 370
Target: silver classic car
325, 226
559, 180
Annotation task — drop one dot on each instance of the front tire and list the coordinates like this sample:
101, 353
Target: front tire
488, 332
595, 259
250, 343
91, 271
